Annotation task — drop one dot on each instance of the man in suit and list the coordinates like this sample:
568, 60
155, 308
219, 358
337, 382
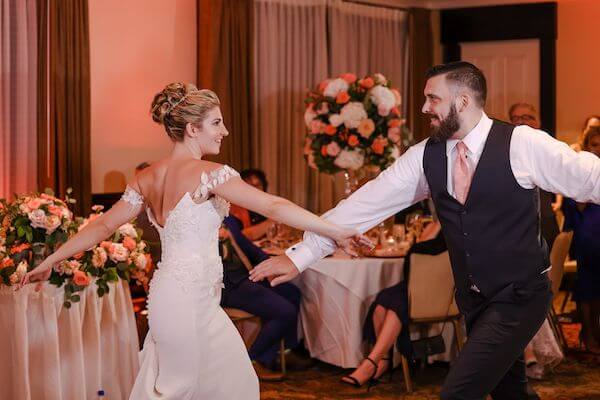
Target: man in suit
482, 176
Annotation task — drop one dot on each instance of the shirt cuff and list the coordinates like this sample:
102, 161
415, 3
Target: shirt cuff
301, 256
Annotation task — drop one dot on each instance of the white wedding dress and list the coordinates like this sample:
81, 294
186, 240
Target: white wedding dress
192, 350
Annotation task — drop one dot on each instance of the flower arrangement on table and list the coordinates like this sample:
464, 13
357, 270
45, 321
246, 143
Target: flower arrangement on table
354, 123
34, 225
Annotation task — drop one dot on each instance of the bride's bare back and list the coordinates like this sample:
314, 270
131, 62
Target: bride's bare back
167, 181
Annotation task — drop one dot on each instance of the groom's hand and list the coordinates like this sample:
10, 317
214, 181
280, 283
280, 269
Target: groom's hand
281, 268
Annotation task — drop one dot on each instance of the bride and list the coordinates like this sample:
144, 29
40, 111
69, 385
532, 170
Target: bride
192, 350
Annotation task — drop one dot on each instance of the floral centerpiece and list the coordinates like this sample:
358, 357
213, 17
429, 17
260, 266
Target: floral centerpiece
35, 225
354, 123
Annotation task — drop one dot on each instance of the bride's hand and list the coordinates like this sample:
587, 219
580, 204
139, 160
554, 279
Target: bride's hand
40, 274
351, 239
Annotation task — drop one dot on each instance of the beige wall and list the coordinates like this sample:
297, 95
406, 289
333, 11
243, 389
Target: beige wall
136, 47
577, 65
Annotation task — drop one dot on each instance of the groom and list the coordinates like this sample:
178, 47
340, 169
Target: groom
482, 175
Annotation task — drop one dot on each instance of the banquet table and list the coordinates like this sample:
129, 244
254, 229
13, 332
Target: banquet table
336, 295
53, 353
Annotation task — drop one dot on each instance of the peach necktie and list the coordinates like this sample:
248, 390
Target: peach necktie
461, 174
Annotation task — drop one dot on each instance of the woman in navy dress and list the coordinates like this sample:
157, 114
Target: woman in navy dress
584, 221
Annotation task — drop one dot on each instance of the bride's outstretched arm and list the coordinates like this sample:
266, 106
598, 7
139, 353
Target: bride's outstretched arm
96, 231
239, 192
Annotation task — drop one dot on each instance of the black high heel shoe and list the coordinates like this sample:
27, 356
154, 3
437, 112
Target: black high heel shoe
370, 382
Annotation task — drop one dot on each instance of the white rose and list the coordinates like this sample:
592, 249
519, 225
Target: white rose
141, 245
352, 113
336, 120
21, 269
309, 115
380, 79
67, 267
128, 230
118, 252
37, 218
383, 98
140, 261
52, 222
352, 159
334, 87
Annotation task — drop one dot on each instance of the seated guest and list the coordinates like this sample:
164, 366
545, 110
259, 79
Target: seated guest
277, 306
387, 319
584, 221
254, 225
543, 352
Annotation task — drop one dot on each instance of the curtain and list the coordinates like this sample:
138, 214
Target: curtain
18, 72
64, 110
290, 55
228, 43
298, 44
420, 59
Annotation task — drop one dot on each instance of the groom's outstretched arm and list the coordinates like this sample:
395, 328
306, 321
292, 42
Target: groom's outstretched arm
396, 188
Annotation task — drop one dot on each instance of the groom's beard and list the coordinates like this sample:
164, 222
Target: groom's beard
447, 128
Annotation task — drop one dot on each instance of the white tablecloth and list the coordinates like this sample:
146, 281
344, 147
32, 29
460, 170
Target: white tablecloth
52, 353
336, 296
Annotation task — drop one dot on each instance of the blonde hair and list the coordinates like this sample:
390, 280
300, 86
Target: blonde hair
179, 104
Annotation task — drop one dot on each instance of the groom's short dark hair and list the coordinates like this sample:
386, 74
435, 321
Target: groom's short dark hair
464, 74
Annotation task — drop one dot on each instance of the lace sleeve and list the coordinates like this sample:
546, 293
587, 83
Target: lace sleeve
211, 180
132, 197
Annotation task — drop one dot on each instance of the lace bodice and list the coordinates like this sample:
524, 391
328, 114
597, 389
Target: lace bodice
189, 237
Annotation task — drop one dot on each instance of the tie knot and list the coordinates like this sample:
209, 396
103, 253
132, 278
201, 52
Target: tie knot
462, 148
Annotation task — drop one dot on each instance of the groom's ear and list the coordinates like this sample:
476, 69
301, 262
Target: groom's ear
462, 102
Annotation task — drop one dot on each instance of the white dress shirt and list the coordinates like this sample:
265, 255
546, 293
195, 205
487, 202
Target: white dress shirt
536, 159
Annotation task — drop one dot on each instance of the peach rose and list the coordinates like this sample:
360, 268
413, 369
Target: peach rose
129, 243
34, 204
323, 85
324, 150
99, 257
353, 141
307, 144
52, 222
383, 110
19, 248
106, 245
7, 262
55, 210
366, 83
395, 111
366, 127
378, 145
393, 123
80, 278
394, 134
330, 130
78, 256
67, 267
316, 126
48, 197
342, 98
310, 159
333, 149
14, 278
348, 77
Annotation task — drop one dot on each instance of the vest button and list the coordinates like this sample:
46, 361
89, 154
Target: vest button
465, 234
464, 212
468, 254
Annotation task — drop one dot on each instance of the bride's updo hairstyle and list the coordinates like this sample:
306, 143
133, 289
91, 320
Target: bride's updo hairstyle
179, 104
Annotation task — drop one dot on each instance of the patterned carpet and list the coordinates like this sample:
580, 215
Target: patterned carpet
578, 377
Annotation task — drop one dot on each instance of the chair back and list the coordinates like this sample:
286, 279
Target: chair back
558, 256
431, 287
